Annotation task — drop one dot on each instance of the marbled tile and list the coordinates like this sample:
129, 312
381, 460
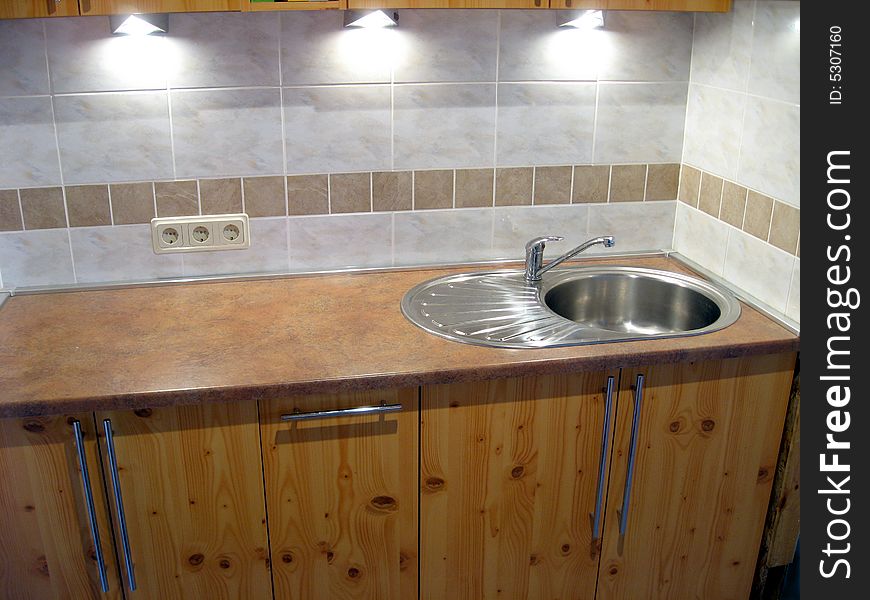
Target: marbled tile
627, 183
640, 122
713, 121
28, 153
770, 154
220, 196
433, 189
264, 196
308, 195
723, 45
591, 183
515, 226
132, 202
690, 184
224, 49
88, 205
391, 191
561, 117
105, 254
341, 241
513, 186
759, 209
710, 196
176, 198
10, 211
553, 185
337, 128
449, 125
759, 269
701, 238
637, 226
785, 227
227, 132
23, 70
316, 48
776, 51
267, 254
114, 137
474, 188
646, 46
533, 47
662, 182
350, 193
43, 208
443, 236
40, 257
84, 57
447, 45
793, 308
733, 204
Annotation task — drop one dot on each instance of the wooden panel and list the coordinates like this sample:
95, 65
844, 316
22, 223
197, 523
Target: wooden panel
707, 447
342, 497
46, 549
294, 5
23, 9
675, 5
192, 487
447, 4
509, 471
122, 7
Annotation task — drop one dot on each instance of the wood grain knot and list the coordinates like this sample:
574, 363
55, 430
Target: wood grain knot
29, 508
566, 548
92, 553
534, 560
353, 573
454, 404
674, 426
196, 559
517, 472
287, 558
763, 474
386, 503
434, 483
614, 570
34, 426
330, 557
224, 564
403, 561
143, 412
708, 424
42, 565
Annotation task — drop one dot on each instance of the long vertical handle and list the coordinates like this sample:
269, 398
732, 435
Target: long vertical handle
119, 504
602, 461
89, 504
632, 455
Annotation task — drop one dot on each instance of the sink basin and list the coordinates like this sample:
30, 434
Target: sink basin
571, 306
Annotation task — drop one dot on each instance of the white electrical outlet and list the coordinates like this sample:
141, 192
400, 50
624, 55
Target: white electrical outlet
198, 233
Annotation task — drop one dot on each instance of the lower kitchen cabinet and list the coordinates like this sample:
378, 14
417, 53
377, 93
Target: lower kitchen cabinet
341, 490
511, 472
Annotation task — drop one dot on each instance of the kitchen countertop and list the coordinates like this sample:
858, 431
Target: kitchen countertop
249, 339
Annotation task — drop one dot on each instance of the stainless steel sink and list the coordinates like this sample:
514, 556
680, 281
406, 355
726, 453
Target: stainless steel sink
570, 306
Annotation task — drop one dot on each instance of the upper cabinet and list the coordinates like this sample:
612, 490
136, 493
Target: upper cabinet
23, 9
116, 7
354, 4
675, 5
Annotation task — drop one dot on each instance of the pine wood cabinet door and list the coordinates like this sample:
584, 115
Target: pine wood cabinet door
667, 5
25, 9
191, 488
509, 482
125, 7
47, 549
707, 439
342, 496
353, 4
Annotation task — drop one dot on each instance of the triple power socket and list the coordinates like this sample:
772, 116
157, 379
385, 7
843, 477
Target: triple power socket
200, 233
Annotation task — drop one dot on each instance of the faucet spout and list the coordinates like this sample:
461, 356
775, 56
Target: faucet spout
535, 254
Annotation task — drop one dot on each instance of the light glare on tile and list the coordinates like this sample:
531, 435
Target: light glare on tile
375, 19
138, 25
588, 19
796, 25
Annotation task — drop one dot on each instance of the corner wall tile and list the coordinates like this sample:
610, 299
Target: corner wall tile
267, 254
647, 46
713, 128
758, 268
443, 236
710, 196
776, 51
22, 46
662, 182
28, 153
637, 226
770, 158
701, 238
341, 241
722, 46
29, 258
106, 254
793, 309
690, 184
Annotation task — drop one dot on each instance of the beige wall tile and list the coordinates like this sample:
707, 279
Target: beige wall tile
308, 195
710, 198
264, 196
733, 204
433, 189
473, 187
662, 182
591, 184
690, 182
88, 205
785, 227
132, 202
391, 191
350, 192
627, 183
10, 213
220, 196
759, 209
176, 198
552, 185
513, 186
43, 208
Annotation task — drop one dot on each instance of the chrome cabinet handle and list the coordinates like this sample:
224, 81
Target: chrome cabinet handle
602, 462
341, 412
119, 504
632, 455
89, 504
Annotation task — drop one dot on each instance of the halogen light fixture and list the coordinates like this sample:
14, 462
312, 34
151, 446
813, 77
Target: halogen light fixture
588, 19
373, 19
139, 25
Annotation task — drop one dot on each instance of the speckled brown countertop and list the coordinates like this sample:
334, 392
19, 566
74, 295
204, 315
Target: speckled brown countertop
243, 340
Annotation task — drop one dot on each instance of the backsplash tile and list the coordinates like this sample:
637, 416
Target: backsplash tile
119, 254
701, 237
391, 191
710, 194
29, 258
28, 154
350, 192
220, 196
637, 226
714, 120
43, 208
132, 202
591, 184
785, 227
442, 236
733, 204
265, 196
176, 198
776, 52
513, 186
10, 211
759, 209
759, 268
267, 254
22, 46
662, 182
627, 183
513, 227
433, 189
308, 195
690, 185
339, 242
647, 46
553, 185
88, 205
723, 45
473, 188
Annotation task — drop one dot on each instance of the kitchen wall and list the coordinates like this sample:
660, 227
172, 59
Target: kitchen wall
739, 210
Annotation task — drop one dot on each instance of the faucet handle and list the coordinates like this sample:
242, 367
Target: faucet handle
541, 241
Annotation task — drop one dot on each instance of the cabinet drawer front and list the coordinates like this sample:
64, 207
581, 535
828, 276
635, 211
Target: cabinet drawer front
342, 495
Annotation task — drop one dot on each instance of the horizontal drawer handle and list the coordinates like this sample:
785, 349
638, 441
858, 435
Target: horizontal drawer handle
341, 412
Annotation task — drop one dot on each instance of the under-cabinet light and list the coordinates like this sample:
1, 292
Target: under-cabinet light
139, 24
588, 19
374, 19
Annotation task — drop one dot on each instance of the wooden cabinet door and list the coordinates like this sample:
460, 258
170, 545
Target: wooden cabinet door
191, 486
125, 7
668, 5
708, 436
342, 496
25, 9
354, 4
47, 549
509, 481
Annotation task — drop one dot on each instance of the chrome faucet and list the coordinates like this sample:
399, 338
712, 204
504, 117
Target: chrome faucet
535, 253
